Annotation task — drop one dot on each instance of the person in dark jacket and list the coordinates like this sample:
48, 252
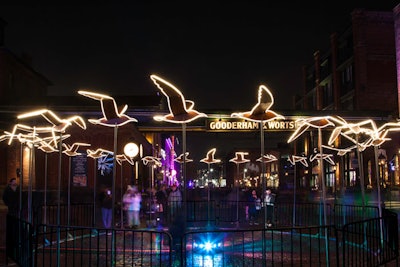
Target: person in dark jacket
106, 207
11, 197
162, 202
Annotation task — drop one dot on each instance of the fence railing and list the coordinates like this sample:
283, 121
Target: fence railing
216, 213
358, 238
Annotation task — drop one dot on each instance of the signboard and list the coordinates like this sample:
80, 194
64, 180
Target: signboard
79, 170
236, 125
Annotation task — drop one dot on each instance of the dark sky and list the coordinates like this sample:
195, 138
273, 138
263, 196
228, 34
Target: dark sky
216, 54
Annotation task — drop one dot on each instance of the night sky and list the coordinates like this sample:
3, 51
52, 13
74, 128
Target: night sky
216, 54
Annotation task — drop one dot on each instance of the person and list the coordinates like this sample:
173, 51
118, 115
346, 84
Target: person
162, 202
106, 207
269, 206
11, 197
132, 200
174, 201
253, 208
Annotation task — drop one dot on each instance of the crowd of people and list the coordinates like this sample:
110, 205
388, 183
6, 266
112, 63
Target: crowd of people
166, 204
255, 205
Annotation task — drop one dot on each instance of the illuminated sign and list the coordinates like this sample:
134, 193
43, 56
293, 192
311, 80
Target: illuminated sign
231, 124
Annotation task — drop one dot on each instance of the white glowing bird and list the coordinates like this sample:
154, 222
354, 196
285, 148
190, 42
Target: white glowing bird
72, 150
112, 115
181, 110
293, 159
209, 159
261, 111
239, 158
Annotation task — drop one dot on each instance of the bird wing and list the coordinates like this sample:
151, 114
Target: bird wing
108, 105
176, 100
109, 109
265, 101
299, 131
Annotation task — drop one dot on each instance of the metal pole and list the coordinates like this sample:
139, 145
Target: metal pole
45, 189
184, 172
69, 191
321, 172
378, 187
237, 195
122, 204
208, 197
294, 195
30, 182
94, 191
21, 182
361, 170
113, 196
59, 199
263, 186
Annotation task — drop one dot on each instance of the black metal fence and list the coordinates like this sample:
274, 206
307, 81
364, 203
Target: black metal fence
356, 236
214, 212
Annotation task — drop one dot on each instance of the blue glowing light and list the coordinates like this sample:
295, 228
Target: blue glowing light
208, 245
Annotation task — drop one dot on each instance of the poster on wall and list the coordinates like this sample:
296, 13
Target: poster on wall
79, 170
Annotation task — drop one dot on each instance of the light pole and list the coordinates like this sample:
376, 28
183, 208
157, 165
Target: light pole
114, 117
96, 154
151, 162
238, 159
71, 151
262, 114
293, 159
181, 112
209, 159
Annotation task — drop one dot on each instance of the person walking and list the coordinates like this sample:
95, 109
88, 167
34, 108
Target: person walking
253, 208
132, 201
269, 207
11, 197
162, 202
106, 207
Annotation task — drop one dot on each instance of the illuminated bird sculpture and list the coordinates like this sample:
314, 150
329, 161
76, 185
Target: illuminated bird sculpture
58, 125
181, 110
239, 158
152, 161
209, 159
302, 159
261, 111
112, 114
72, 150
179, 159
267, 158
314, 122
122, 157
98, 153
327, 157
340, 151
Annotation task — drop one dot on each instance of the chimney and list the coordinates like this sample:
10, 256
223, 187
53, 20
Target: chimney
3, 24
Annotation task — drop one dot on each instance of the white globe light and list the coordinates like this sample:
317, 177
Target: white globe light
131, 150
